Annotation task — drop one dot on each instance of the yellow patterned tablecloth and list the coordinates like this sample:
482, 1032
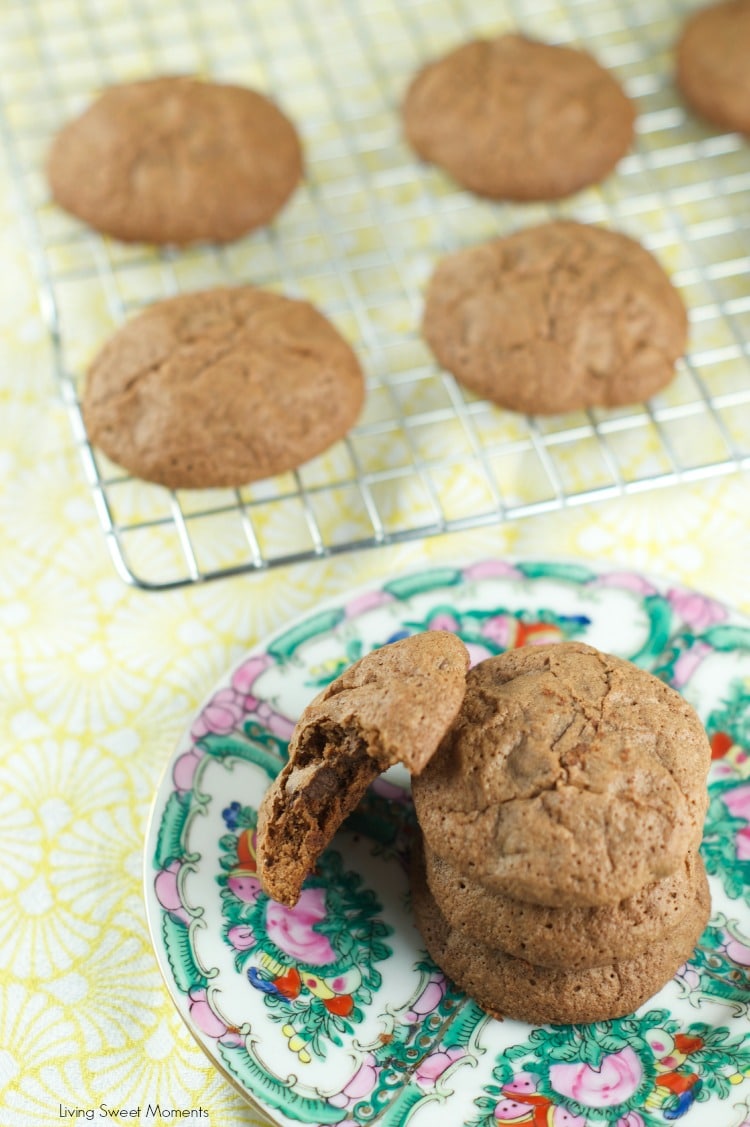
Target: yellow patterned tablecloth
97, 680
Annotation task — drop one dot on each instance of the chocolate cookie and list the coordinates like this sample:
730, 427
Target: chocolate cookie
713, 64
515, 988
515, 119
570, 778
175, 160
556, 318
221, 388
393, 705
573, 938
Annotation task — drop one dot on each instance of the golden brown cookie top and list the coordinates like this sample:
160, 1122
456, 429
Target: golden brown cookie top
220, 388
570, 777
513, 118
392, 706
176, 160
713, 64
555, 318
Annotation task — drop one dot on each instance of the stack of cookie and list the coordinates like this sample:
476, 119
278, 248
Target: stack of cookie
558, 879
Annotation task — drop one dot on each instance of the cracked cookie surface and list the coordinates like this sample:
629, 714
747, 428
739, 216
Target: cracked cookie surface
221, 388
556, 318
713, 64
513, 118
392, 706
569, 778
514, 988
176, 160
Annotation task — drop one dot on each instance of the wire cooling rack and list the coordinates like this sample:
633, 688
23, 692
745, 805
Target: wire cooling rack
360, 240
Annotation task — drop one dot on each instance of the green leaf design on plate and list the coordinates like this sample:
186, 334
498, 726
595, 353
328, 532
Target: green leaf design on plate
282, 647
169, 841
733, 716
397, 1114
728, 638
720, 977
275, 1093
185, 970
262, 751
464, 1026
422, 581
719, 846
572, 573
660, 619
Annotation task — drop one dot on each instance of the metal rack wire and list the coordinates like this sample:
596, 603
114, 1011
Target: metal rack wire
360, 239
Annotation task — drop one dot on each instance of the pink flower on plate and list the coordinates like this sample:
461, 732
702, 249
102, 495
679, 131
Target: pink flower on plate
698, 611
444, 621
361, 1084
489, 569
222, 714
167, 892
209, 1022
499, 629
368, 601
245, 886
203, 1016
292, 929
522, 1084
183, 771
241, 937
616, 1079
737, 802
435, 1064
738, 952
245, 676
688, 976
743, 844
688, 662
275, 722
630, 580
561, 1117
477, 653
428, 1000
632, 1119
512, 1111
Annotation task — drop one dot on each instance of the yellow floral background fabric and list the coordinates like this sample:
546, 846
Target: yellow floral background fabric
98, 679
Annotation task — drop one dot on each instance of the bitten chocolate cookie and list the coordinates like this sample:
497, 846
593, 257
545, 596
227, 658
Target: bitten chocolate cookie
392, 706
176, 160
556, 318
514, 988
515, 119
571, 938
570, 778
713, 64
221, 388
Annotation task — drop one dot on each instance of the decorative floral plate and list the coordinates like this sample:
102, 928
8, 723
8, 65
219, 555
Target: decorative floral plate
332, 1012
